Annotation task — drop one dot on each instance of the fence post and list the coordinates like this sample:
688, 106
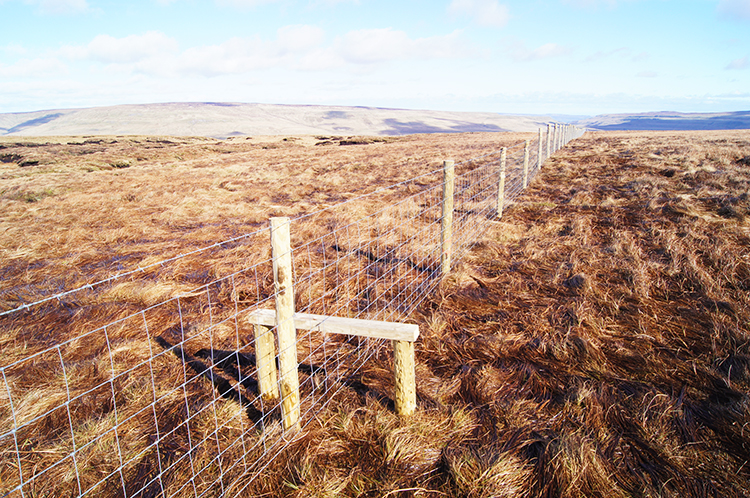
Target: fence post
539, 153
285, 329
549, 127
501, 185
265, 362
526, 164
404, 373
562, 137
555, 138
446, 229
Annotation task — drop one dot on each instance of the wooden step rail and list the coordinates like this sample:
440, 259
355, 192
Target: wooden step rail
403, 336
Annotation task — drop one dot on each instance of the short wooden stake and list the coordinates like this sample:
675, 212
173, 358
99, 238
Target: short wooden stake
539, 153
265, 362
404, 372
446, 229
287, 334
501, 185
526, 164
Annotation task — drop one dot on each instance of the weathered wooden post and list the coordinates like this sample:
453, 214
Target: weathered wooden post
265, 362
554, 138
539, 159
562, 136
526, 164
405, 377
285, 329
549, 127
501, 185
446, 229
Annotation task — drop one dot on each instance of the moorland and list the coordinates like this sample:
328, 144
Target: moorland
594, 342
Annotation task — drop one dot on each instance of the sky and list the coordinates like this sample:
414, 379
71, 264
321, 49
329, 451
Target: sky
576, 57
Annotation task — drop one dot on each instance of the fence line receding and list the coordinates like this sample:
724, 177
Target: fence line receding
179, 391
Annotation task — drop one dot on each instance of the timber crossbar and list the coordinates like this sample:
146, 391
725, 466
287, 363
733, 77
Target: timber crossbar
337, 325
403, 336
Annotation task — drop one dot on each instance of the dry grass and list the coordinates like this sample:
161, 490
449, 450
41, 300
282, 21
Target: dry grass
595, 342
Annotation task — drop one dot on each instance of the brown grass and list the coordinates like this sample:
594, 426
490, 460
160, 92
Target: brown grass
595, 342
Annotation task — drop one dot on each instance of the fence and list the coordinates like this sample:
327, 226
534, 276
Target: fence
162, 395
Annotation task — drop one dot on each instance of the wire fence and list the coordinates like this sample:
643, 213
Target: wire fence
133, 386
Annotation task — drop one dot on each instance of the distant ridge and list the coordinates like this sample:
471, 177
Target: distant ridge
669, 121
226, 119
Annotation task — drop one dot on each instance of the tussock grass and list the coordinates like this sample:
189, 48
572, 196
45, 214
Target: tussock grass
595, 341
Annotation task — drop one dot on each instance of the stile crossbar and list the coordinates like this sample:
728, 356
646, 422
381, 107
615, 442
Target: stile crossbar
403, 336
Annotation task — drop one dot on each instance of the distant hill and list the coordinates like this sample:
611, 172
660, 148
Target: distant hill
223, 120
668, 121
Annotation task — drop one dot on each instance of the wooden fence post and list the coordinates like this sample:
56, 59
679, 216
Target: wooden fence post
549, 128
539, 159
501, 185
446, 229
404, 372
554, 138
526, 164
285, 329
265, 362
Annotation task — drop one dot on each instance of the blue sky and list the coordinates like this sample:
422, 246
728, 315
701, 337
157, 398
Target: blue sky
560, 56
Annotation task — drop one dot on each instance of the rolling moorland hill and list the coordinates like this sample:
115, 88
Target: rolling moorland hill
222, 120
668, 121
594, 342
226, 119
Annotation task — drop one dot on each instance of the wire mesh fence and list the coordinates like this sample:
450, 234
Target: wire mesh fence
140, 386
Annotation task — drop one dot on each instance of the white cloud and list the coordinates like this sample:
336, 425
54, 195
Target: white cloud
742, 63
133, 48
520, 52
14, 49
236, 55
485, 12
647, 74
735, 9
239, 55
299, 38
621, 52
297, 47
34, 68
59, 6
369, 46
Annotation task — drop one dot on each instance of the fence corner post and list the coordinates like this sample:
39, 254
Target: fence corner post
446, 229
501, 185
549, 137
285, 328
405, 377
